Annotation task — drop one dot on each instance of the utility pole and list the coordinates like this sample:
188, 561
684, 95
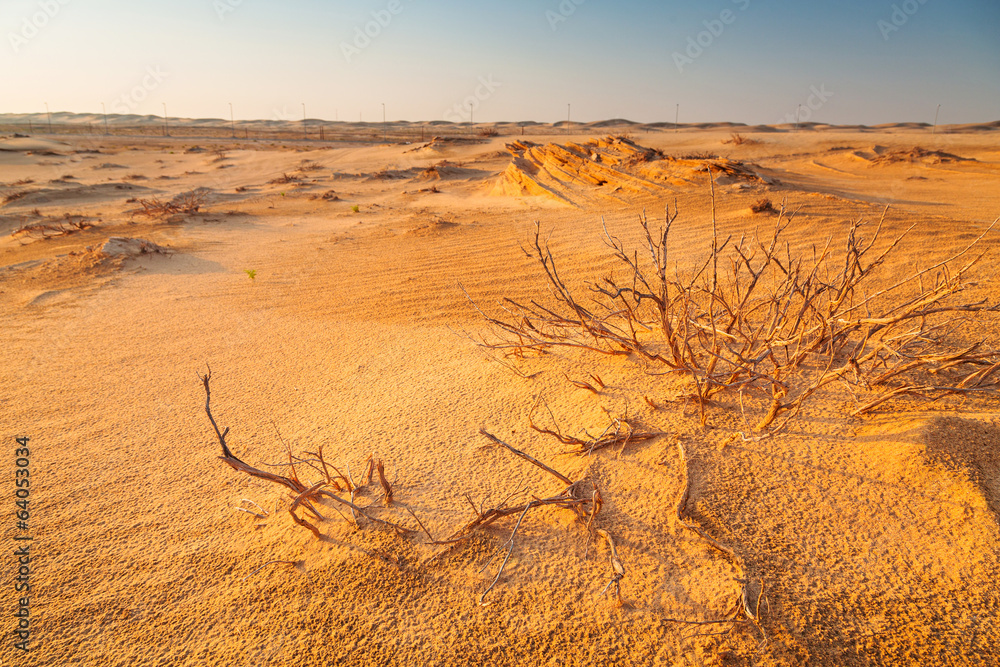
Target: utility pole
49, 115
797, 110
166, 130
567, 112
305, 131
938, 110
105, 112
677, 115
232, 119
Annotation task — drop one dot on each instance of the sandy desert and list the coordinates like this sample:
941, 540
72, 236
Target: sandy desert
339, 291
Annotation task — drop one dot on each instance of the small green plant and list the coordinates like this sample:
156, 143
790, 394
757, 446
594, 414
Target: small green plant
355, 208
251, 272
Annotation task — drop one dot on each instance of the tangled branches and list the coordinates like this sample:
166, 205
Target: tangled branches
70, 224
752, 315
185, 203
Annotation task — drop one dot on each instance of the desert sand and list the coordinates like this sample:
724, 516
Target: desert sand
320, 282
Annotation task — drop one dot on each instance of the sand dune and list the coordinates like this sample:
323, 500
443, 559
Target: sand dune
320, 282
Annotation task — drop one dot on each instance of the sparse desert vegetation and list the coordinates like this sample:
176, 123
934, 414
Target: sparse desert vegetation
674, 436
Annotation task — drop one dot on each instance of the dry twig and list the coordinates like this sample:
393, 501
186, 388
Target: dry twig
302, 495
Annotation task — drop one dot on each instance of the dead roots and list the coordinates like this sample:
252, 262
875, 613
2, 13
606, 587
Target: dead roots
303, 495
581, 497
742, 610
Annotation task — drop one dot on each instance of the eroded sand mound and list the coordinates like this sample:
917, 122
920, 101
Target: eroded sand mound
883, 156
121, 246
611, 166
62, 279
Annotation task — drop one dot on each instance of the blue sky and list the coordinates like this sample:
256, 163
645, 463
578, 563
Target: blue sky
752, 61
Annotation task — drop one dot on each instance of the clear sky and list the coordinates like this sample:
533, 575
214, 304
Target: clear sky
751, 61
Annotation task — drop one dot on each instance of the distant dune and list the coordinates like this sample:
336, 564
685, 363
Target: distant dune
63, 121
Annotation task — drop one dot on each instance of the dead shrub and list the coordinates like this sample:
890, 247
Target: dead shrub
185, 203
763, 206
14, 196
285, 179
738, 139
752, 318
46, 230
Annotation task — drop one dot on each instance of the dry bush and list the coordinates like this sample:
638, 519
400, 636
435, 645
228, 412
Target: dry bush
763, 206
14, 196
752, 318
309, 165
46, 230
285, 179
185, 203
738, 139
489, 132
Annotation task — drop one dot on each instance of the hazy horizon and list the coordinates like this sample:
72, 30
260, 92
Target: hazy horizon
724, 61
157, 119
